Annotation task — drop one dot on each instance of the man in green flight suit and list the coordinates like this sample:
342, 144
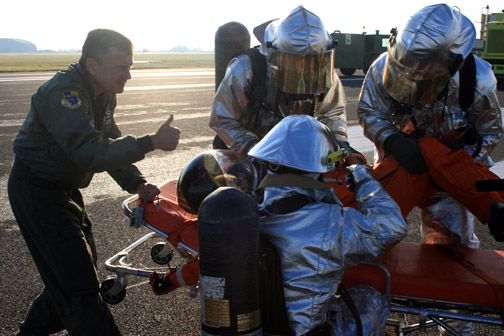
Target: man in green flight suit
68, 135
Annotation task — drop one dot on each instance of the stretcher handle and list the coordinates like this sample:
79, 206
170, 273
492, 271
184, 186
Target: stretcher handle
125, 205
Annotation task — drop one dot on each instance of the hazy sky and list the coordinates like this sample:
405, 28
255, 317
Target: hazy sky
163, 24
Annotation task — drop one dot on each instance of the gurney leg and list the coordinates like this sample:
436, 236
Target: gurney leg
446, 327
398, 325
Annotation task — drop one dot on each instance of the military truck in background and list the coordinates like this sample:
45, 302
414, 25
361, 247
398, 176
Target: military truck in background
357, 51
490, 45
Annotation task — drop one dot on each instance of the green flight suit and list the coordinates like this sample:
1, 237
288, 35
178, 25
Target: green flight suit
66, 138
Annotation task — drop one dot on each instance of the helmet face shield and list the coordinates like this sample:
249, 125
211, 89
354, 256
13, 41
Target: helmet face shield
303, 74
413, 86
211, 170
228, 169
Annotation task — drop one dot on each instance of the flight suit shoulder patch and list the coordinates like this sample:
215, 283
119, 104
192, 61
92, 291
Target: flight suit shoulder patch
107, 118
70, 99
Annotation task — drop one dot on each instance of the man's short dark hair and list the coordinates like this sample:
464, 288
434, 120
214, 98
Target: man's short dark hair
99, 41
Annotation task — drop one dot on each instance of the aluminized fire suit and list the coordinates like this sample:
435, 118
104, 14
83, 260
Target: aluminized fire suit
381, 117
319, 239
234, 117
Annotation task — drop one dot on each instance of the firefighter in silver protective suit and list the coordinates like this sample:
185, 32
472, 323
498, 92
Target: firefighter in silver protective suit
321, 238
299, 79
429, 95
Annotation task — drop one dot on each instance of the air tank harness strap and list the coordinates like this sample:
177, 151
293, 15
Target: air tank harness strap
292, 203
291, 180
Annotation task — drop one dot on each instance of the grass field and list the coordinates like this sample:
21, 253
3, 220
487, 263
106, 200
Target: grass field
148, 60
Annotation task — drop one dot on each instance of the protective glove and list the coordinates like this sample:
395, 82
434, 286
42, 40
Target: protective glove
350, 182
407, 152
496, 222
355, 157
357, 175
161, 283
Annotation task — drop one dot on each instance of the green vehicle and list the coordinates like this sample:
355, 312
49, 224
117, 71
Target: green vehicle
357, 51
490, 46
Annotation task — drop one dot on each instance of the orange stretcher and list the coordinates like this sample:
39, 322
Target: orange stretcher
433, 281
430, 281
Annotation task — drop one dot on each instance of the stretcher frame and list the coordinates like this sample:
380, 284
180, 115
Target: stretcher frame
113, 289
438, 266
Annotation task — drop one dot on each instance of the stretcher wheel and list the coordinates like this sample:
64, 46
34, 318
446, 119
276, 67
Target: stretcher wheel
161, 253
111, 299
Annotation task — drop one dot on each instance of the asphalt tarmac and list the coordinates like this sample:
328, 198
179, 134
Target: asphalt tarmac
149, 99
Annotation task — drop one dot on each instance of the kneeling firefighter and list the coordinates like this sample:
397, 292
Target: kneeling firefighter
316, 236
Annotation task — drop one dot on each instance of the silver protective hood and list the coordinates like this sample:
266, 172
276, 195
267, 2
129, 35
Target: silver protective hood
432, 38
426, 53
300, 52
297, 141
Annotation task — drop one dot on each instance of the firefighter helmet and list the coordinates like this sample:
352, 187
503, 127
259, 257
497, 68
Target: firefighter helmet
210, 170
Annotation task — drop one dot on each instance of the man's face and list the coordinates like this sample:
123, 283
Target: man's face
112, 73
